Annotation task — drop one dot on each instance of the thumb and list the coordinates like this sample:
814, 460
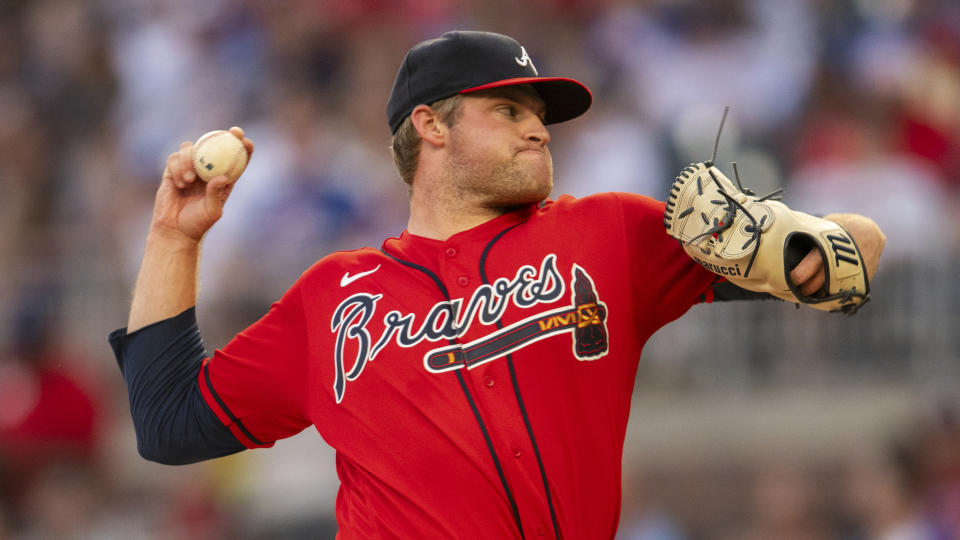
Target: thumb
218, 190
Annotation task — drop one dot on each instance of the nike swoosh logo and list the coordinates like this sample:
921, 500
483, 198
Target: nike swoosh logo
348, 279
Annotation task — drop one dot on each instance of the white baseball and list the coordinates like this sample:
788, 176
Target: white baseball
219, 152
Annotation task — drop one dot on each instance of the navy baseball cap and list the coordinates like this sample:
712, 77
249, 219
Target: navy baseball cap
461, 62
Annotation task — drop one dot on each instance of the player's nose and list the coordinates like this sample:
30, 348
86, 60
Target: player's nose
536, 131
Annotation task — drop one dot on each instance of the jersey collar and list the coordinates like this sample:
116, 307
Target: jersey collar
426, 250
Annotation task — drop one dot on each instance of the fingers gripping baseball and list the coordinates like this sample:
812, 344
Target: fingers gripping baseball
185, 204
197, 217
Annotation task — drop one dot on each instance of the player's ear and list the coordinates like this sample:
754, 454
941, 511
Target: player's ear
428, 125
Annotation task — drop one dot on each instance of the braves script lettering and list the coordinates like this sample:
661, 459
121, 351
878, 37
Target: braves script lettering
446, 320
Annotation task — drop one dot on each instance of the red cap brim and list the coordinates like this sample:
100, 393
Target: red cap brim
565, 98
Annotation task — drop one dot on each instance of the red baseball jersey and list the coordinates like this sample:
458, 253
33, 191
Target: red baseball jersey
475, 387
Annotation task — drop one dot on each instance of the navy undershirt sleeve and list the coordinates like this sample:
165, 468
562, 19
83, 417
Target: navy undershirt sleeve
160, 364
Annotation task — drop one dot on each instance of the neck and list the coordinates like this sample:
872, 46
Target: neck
437, 214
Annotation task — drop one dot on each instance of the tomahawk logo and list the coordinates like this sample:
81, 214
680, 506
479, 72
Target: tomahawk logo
525, 60
585, 319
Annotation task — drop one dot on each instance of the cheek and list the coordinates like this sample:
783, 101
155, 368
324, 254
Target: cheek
465, 146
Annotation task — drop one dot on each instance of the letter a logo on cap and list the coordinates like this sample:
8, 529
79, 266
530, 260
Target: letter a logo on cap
525, 60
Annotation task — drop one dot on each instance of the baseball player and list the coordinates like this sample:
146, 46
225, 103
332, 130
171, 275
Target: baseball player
474, 374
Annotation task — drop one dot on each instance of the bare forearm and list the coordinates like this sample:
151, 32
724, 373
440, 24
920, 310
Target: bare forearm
167, 282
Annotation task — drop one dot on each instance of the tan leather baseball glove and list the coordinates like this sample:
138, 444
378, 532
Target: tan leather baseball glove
754, 242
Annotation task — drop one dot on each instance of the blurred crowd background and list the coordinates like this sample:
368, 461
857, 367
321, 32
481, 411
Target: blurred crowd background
751, 420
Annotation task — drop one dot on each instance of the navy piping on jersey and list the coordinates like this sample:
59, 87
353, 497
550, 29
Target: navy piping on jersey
223, 406
516, 390
469, 396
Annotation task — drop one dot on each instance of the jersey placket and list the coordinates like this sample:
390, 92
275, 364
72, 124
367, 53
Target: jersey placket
491, 387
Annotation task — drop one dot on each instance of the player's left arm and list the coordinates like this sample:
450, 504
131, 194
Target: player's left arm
759, 243
809, 275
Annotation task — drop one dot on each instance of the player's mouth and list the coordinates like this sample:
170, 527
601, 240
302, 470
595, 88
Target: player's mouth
532, 150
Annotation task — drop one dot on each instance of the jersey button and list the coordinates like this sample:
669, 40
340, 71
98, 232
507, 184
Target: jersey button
541, 530
451, 252
463, 281
516, 451
488, 380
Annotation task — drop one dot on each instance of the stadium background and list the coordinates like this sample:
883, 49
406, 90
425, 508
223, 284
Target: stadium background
750, 421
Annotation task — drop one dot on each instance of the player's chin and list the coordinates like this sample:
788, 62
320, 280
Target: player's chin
528, 183
537, 169
536, 192
521, 194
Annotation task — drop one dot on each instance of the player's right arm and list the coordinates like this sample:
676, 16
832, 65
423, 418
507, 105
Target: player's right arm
160, 352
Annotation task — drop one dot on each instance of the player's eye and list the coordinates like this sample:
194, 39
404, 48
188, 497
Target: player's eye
508, 110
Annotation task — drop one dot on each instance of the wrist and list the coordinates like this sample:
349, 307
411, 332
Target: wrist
171, 240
